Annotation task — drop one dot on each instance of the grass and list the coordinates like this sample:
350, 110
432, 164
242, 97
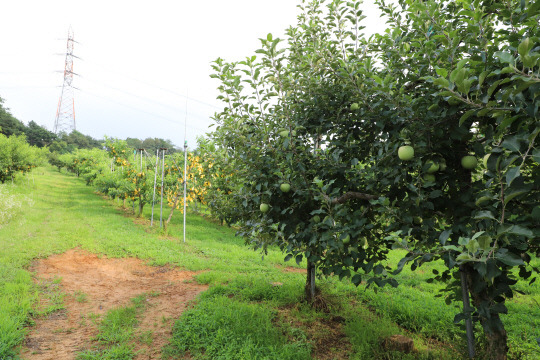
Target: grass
58, 212
221, 328
116, 333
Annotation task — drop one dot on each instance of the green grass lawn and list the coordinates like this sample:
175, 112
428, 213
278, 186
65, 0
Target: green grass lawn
243, 315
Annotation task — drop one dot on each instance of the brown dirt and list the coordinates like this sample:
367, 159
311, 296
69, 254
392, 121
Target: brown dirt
292, 269
325, 334
93, 285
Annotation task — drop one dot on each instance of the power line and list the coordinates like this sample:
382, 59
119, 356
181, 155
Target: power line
154, 85
28, 87
140, 110
134, 95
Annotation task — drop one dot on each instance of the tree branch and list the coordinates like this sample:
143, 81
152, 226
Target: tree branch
349, 195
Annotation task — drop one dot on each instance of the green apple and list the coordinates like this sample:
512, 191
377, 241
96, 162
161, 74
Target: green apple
433, 167
418, 220
406, 152
285, 187
264, 207
485, 160
354, 106
429, 178
469, 162
316, 219
347, 240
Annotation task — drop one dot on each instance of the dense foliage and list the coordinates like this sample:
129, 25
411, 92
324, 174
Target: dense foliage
17, 156
326, 110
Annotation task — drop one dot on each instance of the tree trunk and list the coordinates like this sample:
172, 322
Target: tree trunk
141, 206
497, 343
310, 283
496, 336
172, 209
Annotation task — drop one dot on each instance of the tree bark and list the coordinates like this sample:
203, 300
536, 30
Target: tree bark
172, 209
310, 283
352, 195
141, 206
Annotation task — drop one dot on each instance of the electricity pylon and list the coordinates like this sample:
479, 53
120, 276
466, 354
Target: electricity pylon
65, 113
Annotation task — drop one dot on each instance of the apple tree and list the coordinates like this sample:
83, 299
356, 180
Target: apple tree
289, 130
380, 141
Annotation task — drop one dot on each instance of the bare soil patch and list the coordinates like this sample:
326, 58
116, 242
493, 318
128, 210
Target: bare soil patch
325, 334
292, 269
93, 285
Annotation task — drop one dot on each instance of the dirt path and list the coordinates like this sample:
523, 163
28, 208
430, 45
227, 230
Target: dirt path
95, 285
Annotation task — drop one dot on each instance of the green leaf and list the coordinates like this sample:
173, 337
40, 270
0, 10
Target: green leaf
442, 82
484, 242
442, 72
511, 174
377, 79
515, 192
505, 57
536, 155
485, 214
473, 246
463, 257
462, 63
467, 115
482, 77
444, 236
520, 231
524, 47
509, 258
511, 144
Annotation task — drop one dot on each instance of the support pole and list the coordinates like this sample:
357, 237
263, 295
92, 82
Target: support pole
185, 186
312, 288
155, 180
162, 175
467, 311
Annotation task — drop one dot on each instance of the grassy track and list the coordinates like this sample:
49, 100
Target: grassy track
58, 212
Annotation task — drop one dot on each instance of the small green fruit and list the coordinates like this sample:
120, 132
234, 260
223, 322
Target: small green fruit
347, 240
418, 220
429, 178
264, 207
316, 219
406, 153
285, 187
433, 167
469, 162
354, 106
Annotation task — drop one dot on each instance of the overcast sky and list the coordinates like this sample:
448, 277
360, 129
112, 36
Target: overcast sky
138, 59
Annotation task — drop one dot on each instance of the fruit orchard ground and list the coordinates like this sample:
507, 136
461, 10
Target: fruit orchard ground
94, 285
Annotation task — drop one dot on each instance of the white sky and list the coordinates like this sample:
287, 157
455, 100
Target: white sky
139, 59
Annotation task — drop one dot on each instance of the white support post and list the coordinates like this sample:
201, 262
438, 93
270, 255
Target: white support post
185, 186
162, 176
155, 180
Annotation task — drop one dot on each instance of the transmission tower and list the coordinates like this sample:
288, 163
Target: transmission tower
65, 113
